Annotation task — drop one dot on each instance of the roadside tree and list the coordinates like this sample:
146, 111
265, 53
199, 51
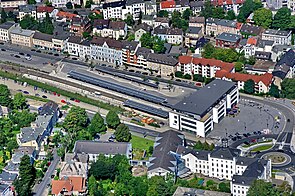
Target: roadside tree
122, 133
112, 119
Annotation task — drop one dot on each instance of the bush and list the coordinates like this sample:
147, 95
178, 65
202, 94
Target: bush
178, 74
187, 76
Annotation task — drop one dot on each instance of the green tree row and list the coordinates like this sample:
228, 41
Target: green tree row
153, 42
46, 26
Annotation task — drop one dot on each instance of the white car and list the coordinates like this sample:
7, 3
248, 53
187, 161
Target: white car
28, 58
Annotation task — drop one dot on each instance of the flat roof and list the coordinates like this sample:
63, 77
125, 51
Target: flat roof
200, 101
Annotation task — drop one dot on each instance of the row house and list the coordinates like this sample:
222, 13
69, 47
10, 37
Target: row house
76, 46
22, 37
24, 10
141, 29
171, 5
5, 30
262, 82
171, 35
228, 40
80, 25
113, 9
12, 3
254, 44
42, 41
128, 51
204, 67
162, 64
62, 3
227, 5
43, 10
226, 163
197, 21
248, 30
62, 16
139, 59
279, 37
216, 26
111, 29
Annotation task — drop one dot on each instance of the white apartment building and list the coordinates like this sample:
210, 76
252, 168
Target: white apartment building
225, 163
22, 37
5, 29
62, 3
171, 35
111, 29
113, 9
12, 3
134, 8
27, 10
279, 37
76, 46
197, 112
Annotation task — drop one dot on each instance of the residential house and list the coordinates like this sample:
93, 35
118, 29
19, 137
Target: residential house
50, 108
227, 5
77, 46
204, 67
12, 168
5, 30
111, 29
22, 37
184, 191
260, 67
80, 25
60, 36
69, 186
161, 21
198, 112
162, 64
171, 35
74, 165
262, 82
192, 35
62, 16
175, 51
43, 10
253, 44
251, 30
12, 3
228, 40
148, 19
42, 41
128, 51
27, 10
163, 162
215, 27
197, 21
140, 30
134, 8
4, 111
7, 178
139, 59
5, 190
196, 7
171, 5
285, 67
21, 151
113, 9
62, 3
276, 4
279, 37
150, 7
95, 148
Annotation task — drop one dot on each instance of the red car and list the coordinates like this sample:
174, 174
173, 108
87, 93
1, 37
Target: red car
54, 93
76, 100
63, 101
58, 95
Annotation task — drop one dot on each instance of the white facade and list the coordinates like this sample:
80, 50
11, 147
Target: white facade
134, 10
62, 3
279, 37
113, 12
5, 33
111, 33
107, 54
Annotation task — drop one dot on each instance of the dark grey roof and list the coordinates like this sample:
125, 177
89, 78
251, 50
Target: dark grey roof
167, 47
162, 20
165, 143
131, 2
183, 3
49, 108
117, 25
283, 65
60, 31
3, 187
262, 55
7, 25
160, 30
75, 39
143, 26
42, 36
243, 42
26, 8
194, 30
277, 32
251, 29
200, 154
143, 51
29, 134
7, 177
229, 37
195, 4
201, 101
107, 148
162, 59
222, 22
178, 50
114, 4
201, 42
174, 31
196, 19
101, 23
85, 42
225, 153
262, 43
243, 180
83, 158
110, 42
129, 45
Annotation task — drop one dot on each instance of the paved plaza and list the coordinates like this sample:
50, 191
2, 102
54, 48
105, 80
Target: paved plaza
252, 117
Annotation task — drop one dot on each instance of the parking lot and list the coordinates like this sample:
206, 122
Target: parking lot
253, 119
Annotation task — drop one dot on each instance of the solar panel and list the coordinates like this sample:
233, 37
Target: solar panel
145, 108
127, 77
116, 87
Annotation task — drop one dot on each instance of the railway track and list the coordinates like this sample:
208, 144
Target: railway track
22, 70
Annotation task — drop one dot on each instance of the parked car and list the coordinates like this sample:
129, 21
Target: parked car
63, 101
2, 49
76, 100
72, 99
44, 96
26, 92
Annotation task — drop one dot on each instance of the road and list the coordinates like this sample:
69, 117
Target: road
39, 189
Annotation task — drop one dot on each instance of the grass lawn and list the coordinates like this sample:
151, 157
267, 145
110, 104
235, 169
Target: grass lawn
141, 143
261, 148
252, 144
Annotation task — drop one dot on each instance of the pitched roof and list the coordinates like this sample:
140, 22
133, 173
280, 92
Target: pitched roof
7, 25
117, 25
224, 153
266, 78
251, 29
132, 2
167, 4
230, 37
49, 108
114, 4
75, 39
200, 154
7, 177
252, 41
101, 23
67, 15
162, 59
196, 19
141, 51
42, 36
26, 8
277, 32
69, 184
222, 22
143, 26
45, 9
116, 44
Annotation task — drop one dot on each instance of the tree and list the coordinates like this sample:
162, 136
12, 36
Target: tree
158, 45
198, 78
207, 11
48, 3
46, 26
86, 35
69, 5
97, 125
31, 2
146, 40
274, 91
186, 14
22, 118
5, 99
262, 188
163, 13
27, 175
187, 76
282, 19
239, 66
263, 17
224, 187
249, 87
19, 101
3, 16
198, 145
93, 186
178, 21
218, 12
208, 50
230, 15
251, 60
89, 3
122, 133
29, 22
11, 16
76, 120
112, 119
288, 88
247, 8
129, 20
178, 74
93, 16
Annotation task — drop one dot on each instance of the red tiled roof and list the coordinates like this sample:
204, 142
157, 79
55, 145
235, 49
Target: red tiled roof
221, 2
167, 4
252, 41
185, 59
266, 78
68, 183
45, 9
239, 1
66, 15
239, 25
